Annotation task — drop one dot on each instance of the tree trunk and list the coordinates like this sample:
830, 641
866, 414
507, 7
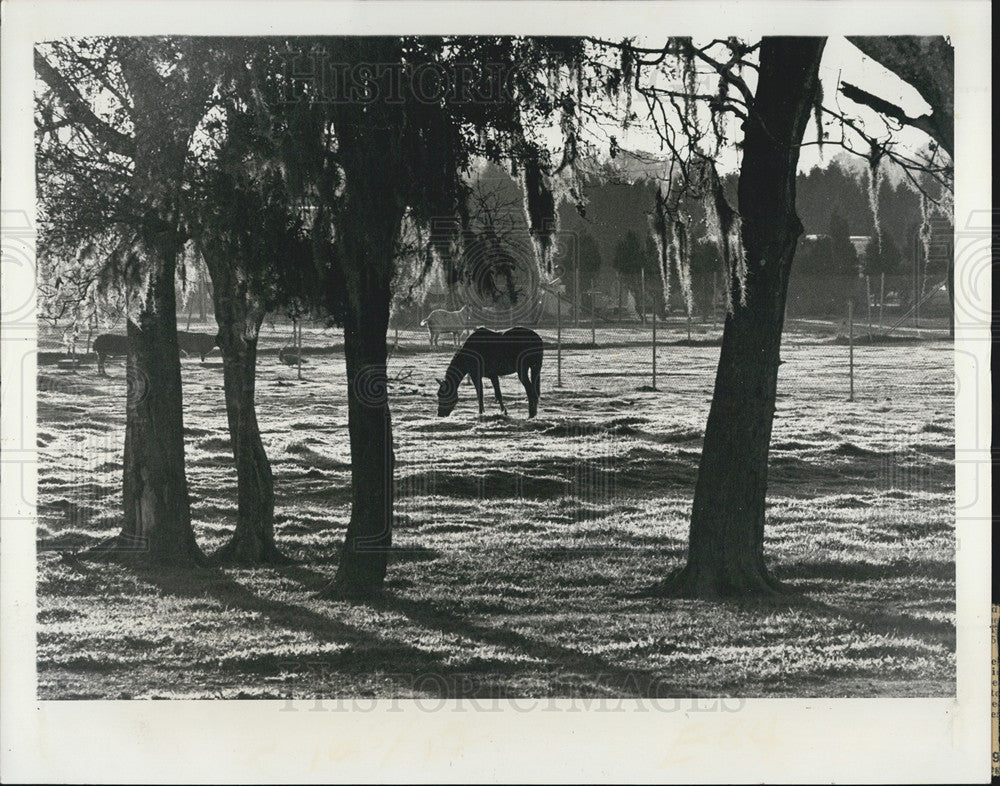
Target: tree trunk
239, 318
368, 228
364, 556
157, 526
726, 548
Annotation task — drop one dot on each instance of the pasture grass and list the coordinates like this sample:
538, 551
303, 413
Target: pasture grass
519, 546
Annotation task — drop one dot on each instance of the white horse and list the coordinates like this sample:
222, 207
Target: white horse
441, 321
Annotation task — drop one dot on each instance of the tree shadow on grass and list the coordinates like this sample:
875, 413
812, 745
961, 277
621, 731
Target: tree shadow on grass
876, 621
806, 577
865, 571
365, 651
371, 659
574, 672
802, 582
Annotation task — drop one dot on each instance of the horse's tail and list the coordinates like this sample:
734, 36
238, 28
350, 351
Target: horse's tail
424, 321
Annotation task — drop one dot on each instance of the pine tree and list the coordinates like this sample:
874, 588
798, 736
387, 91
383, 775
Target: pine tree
845, 257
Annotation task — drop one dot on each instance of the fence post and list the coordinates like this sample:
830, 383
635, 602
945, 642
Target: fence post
593, 317
654, 347
881, 302
868, 301
558, 341
850, 341
576, 294
642, 295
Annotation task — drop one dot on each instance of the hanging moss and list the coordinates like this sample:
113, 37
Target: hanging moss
540, 208
818, 115
874, 185
683, 259
689, 77
717, 115
725, 225
660, 234
627, 64
925, 229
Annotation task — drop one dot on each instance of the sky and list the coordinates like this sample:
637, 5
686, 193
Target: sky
841, 61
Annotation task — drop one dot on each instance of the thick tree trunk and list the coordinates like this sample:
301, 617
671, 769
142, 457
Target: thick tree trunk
368, 228
726, 548
157, 525
253, 539
364, 556
166, 108
239, 316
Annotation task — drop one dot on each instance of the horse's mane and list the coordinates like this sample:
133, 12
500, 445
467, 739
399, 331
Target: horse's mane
461, 364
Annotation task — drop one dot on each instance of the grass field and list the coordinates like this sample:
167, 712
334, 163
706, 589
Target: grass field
520, 543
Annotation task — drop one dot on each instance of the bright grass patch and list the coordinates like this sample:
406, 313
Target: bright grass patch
519, 544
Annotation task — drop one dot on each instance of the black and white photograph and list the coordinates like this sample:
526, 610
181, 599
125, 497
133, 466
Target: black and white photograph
597, 361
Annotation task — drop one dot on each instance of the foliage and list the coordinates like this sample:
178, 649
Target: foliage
590, 257
882, 256
843, 255
95, 212
629, 255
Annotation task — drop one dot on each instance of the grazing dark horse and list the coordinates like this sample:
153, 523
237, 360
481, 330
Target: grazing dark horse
108, 345
491, 355
196, 343
111, 345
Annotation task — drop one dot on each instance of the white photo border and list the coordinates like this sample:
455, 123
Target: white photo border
827, 740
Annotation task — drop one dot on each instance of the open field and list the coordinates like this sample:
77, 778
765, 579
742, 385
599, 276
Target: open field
520, 543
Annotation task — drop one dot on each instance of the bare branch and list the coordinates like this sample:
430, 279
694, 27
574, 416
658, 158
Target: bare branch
928, 65
923, 123
77, 109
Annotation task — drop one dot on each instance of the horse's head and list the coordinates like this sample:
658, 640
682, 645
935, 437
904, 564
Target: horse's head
447, 396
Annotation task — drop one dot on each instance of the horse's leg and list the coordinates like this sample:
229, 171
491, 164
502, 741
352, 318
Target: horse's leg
100, 365
499, 395
522, 374
536, 390
478, 382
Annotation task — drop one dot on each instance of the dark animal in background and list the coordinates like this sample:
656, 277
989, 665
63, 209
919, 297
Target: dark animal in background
200, 344
111, 345
108, 345
441, 321
491, 355
289, 356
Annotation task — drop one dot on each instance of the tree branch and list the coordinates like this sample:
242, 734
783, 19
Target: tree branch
927, 63
77, 109
923, 123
